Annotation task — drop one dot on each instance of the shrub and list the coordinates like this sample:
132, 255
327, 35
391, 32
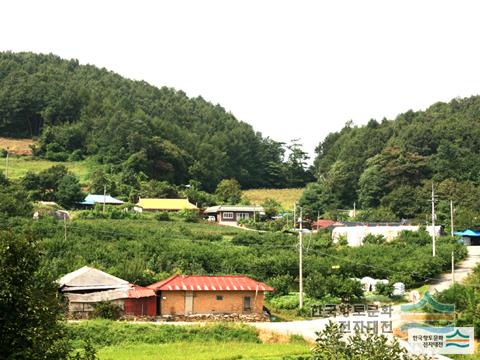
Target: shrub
76, 155
3, 153
384, 289
331, 343
189, 215
107, 310
162, 216
374, 239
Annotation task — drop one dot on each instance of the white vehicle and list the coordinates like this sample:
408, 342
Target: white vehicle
211, 218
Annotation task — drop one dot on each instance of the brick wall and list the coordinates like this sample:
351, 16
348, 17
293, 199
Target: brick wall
205, 302
173, 302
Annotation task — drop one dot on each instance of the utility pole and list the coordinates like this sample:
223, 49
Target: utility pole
65, 226
433, 221
354, 210
104, 196
453, 268
6, 165
300, 261
294, 215
451, 217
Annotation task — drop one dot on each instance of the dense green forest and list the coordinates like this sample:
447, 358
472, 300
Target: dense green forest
389, 166
135, 130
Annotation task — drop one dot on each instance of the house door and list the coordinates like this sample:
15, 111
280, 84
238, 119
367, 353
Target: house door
188, 302
247, 304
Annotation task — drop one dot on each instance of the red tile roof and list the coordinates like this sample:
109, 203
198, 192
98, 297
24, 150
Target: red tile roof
323, 223
139, 292
210, 283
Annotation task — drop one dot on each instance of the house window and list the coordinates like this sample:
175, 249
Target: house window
242, 216
228, 215
219, 297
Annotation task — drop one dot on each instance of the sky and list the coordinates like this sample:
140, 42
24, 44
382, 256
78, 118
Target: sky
291, 69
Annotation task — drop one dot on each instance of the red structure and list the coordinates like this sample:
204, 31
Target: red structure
140, 302
322, 224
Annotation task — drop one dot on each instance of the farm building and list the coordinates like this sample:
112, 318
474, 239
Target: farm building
356, 232
163, 205
87, 286
231, 214
469, 237
93, 199
192, 294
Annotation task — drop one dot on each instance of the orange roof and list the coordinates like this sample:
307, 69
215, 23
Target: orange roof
210, 283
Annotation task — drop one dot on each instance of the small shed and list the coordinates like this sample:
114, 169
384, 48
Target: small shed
469, 237
87, 286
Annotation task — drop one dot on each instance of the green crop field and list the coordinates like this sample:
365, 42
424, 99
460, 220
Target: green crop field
228, 350
286, 197
147, 341
19, 166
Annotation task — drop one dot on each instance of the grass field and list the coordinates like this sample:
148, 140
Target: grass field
19, 166
286, 197
205, 351
147, 341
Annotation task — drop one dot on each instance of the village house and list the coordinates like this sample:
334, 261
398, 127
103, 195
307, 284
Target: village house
160, 205
195, 294
88, 286
231, 214
93, 199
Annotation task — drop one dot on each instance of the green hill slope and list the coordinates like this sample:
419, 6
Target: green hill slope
392, 163
134, 129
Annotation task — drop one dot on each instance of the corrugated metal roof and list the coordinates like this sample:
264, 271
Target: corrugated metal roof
130, 292
93, 199
210, 283
166, 204
140, 292
87, 278
249, 208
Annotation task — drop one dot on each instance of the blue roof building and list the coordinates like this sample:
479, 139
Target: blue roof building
93, 199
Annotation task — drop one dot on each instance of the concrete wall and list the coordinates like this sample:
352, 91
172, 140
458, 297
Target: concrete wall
205, 302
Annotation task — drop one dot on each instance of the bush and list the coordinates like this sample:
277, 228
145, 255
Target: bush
162, 216
107, 310
76, 155
56, 156
374, 239
190, 216
384, 289
331, 343
3, 153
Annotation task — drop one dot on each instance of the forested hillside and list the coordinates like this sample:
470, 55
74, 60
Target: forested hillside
135, 130
389, 166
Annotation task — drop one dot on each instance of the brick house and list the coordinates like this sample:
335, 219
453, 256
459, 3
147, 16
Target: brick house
194, 294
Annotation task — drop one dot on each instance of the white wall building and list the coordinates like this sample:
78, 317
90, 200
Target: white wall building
356, 233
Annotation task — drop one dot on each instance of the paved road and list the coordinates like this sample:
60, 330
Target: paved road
461, 271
